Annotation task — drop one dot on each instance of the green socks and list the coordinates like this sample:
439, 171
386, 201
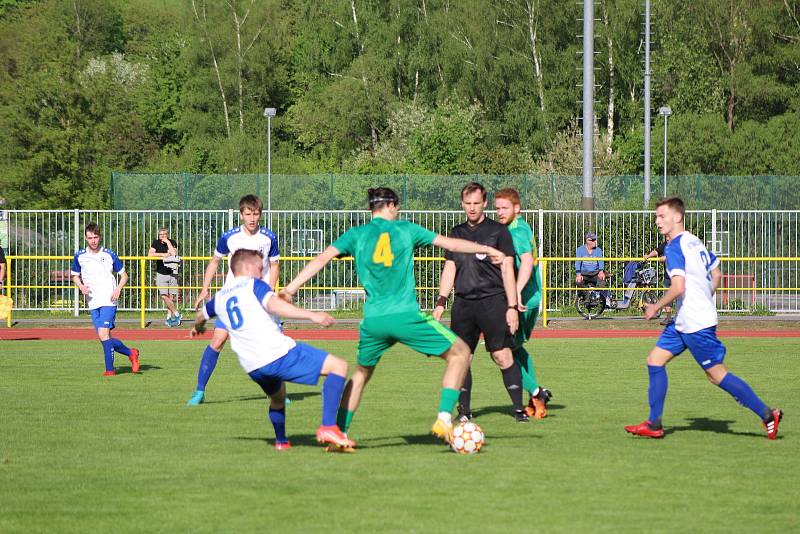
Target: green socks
448, 400
525, 363
343, 418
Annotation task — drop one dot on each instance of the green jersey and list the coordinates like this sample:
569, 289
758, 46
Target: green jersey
384, 256
522, 235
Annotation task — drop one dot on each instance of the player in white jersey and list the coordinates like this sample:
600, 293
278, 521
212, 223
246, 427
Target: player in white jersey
695, 276
248, 236
93, 271
244, 306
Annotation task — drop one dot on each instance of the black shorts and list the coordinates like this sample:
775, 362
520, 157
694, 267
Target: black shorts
470, 318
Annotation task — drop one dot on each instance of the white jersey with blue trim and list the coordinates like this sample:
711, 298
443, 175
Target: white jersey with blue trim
255, 336
97, 269
263, 241
688, 257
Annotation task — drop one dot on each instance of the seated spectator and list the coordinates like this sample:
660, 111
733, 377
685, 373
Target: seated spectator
589, 267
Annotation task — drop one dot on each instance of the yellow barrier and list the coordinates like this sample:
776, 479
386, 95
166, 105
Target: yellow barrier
542, 261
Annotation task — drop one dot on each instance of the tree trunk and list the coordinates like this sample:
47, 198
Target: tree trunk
78, 30
537, 64
203, 22
239, 60
610, 44
373, 130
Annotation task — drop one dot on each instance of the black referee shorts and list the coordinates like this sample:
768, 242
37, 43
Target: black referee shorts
470, 318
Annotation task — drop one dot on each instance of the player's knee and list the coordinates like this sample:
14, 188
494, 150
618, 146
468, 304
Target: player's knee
334, 365
218, 339
458, 350
504, 358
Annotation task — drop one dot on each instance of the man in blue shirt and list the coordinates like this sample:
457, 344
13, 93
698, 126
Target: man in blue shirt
589, 268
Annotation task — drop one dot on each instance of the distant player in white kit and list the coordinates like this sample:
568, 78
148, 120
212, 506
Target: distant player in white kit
243, 306
248, 236
93, 271
695, 276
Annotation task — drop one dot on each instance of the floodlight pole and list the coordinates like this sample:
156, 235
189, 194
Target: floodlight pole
646, 103
269, 113
587, 202
665, 112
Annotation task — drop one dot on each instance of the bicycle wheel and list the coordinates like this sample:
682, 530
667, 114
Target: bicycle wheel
648, 297
592, 306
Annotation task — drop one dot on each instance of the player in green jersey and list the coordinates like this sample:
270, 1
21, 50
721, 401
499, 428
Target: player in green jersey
383, 252
529, 295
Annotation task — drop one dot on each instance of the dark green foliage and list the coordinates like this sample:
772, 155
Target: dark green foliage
88, 87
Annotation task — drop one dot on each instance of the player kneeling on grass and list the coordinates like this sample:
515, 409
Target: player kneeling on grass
93, 271
695, 276
270, 358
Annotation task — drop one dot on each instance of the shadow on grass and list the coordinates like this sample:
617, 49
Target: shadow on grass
704, 424
142, 368
506, 410
293, 397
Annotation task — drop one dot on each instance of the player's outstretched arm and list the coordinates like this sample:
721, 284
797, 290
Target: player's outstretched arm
468, 247
676, 290
199, 324
290, 311
311, 268
211, 270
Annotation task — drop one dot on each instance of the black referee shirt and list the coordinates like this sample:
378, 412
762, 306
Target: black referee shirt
476, 276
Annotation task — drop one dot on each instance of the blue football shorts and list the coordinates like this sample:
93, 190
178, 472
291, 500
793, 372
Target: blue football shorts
103, 317
301, 365
704, 345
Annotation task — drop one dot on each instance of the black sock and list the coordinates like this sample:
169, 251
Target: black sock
465, 397
512, 378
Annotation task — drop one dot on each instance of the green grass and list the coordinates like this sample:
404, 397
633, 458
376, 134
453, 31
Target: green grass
83, 453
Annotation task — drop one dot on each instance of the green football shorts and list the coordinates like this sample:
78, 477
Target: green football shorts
417, 330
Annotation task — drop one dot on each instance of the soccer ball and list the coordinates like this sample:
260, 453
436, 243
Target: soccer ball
467, 438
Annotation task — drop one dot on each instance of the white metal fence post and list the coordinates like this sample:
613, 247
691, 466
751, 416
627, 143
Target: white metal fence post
714, 245
76, 245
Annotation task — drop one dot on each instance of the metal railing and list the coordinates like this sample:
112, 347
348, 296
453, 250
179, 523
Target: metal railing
732, 296
45, 284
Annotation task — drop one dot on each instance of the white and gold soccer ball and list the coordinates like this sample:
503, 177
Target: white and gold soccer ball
467, 438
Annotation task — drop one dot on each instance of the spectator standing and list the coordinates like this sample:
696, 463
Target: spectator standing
166, 248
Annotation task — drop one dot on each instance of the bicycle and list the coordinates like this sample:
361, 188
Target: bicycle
641, 281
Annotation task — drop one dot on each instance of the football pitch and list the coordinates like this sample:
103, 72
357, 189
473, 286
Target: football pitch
83, 453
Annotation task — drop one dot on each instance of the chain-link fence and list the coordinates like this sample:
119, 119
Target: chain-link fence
186, 191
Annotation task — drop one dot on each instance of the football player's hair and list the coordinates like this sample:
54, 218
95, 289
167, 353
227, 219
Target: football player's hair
509, 194
93, 228
243, 256
379, 197
674, 203
471, 188
252, 202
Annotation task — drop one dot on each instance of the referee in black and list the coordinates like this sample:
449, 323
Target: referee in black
486, 297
